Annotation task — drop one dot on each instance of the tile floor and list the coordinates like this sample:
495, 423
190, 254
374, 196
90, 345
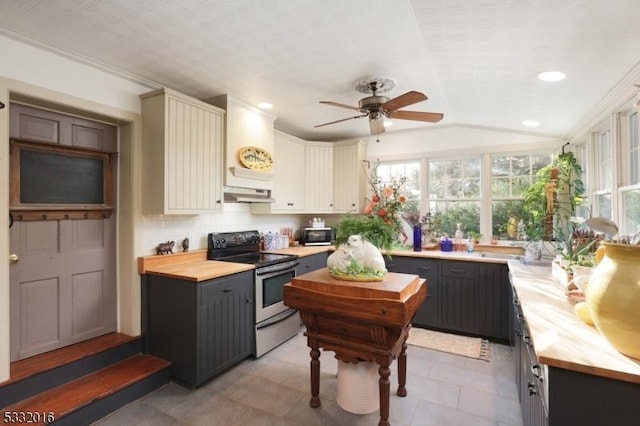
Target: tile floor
274, 390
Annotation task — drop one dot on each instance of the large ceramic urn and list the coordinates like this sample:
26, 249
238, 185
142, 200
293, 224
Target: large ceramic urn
613, 296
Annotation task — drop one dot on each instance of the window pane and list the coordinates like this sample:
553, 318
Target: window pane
471, 188
445, 216
603, 205
630, 212
518, 185
505, 218
500, 187
520, 165
634, 165
499, 166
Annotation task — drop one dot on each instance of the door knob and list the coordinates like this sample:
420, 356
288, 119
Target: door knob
13, 258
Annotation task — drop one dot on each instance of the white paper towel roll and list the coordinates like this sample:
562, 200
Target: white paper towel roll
358, 387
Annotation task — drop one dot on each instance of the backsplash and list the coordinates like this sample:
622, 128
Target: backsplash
235, 217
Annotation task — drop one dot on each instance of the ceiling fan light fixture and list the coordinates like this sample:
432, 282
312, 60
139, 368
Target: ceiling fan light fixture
530, 123
387, 123
551, 76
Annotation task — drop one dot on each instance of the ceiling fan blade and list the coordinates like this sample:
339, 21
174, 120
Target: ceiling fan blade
401, 101
340, 105
431, 117
376, 125
338, 121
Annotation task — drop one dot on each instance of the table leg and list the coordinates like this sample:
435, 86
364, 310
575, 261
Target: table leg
402, 371
315, 378
384, 372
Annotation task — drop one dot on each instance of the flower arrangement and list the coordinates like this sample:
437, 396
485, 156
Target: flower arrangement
381, 224
387, 200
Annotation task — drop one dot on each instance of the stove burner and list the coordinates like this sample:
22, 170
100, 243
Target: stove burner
242, 247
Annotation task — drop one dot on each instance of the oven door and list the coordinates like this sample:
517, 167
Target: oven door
270, 283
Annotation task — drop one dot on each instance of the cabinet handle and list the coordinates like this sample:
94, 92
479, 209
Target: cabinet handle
532, 388
331, 205
534, 371
249, 300
353, 204
218, 201
227, 290
518, 332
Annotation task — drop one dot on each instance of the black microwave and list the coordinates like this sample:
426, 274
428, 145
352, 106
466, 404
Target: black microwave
317, 236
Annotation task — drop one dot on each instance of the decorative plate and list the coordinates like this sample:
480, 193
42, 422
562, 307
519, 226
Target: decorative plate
255, 158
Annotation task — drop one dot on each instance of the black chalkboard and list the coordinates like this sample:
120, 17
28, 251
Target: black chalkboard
53, 178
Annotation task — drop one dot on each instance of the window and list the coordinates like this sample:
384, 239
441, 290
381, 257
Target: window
634, 149
388, 172
602, 187
510, 176
454, 194
629, 196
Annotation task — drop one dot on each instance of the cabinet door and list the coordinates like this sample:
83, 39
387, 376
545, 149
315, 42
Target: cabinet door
226, 328
312, 263
289, 170
492, 301
349, 179
428, 315
319, 177
182, 154
193, 158
458, 296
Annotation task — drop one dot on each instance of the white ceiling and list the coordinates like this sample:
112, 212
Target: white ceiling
476, 60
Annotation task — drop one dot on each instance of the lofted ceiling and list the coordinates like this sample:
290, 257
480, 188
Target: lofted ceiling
476, 60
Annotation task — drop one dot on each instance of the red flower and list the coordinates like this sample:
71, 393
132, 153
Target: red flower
375, 199
382, 212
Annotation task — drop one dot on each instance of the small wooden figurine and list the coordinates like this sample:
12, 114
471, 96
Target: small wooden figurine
165, 248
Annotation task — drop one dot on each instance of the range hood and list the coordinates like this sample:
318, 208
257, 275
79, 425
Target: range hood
247, 195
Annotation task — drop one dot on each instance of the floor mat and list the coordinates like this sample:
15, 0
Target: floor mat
471, 347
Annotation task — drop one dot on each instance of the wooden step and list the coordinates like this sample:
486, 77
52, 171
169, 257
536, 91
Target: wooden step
90, 397
41, 372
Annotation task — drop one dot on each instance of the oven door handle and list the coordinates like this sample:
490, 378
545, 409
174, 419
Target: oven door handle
276, 318
275, 271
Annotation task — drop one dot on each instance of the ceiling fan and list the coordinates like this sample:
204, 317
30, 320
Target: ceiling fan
378, 107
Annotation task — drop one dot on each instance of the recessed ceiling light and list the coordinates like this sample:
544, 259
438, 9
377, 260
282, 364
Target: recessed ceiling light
551, 76
531, 123
265, 105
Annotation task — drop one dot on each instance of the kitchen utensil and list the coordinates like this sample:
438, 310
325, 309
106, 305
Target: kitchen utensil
603, 225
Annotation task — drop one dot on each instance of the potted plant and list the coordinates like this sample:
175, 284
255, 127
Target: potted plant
551, 201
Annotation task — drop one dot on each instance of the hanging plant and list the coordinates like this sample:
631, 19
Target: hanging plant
551, 201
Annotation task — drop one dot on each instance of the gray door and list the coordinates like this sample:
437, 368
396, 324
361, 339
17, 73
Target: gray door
63, 286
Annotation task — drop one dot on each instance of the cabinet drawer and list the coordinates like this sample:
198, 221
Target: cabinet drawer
458, 269
226, 286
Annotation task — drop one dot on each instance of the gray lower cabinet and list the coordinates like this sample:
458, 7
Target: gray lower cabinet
553, 396
465, 297
428, 315
201, 328
311, 263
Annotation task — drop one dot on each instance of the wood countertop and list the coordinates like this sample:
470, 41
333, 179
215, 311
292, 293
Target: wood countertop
201, 270
560, 338
189, 266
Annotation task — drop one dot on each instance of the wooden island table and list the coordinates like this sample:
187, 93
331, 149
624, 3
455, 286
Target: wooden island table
359, 321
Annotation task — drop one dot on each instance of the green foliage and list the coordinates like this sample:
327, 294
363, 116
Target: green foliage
357, 269
445, 222
503, 211
570, 194
372, 228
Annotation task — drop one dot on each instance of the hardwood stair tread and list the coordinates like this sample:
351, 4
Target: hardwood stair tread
29, 367
71, 396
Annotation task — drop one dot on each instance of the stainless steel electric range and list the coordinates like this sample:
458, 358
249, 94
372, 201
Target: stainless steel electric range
275, 323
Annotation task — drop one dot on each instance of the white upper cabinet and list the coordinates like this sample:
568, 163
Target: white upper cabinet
289, 169
319, 177
349, 178
181, 154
